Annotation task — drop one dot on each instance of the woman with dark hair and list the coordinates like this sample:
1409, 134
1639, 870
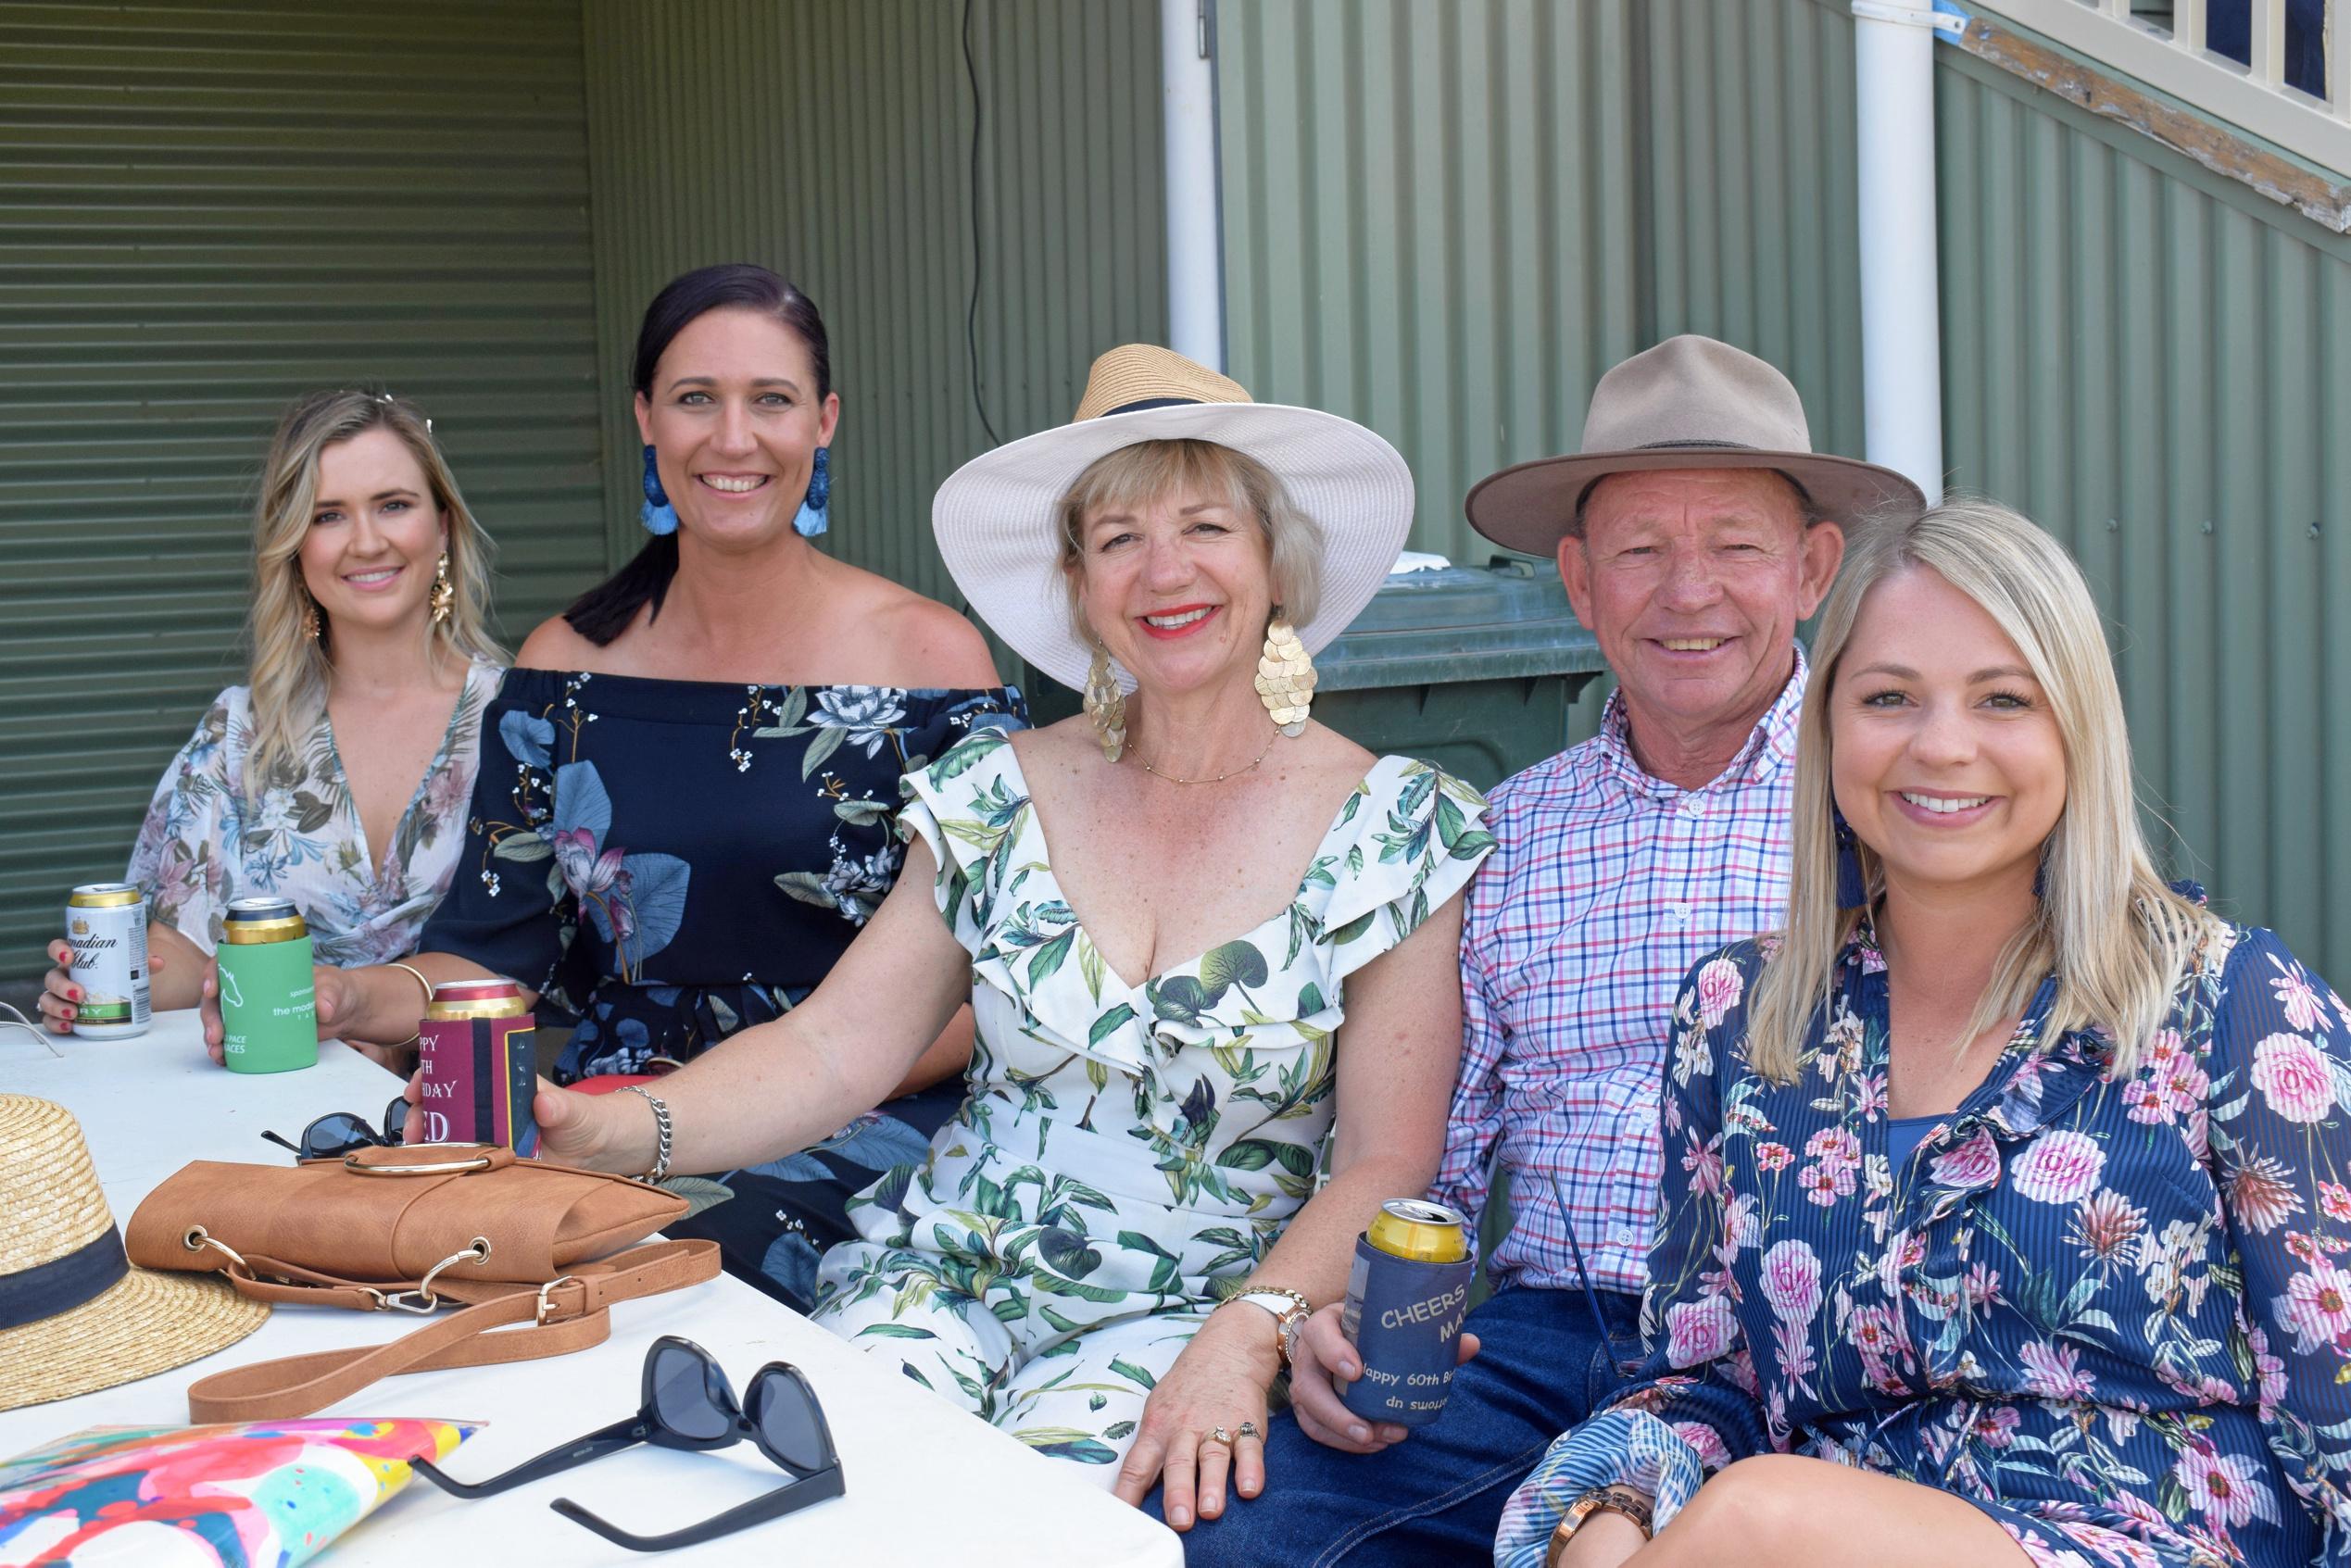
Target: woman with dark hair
687, 782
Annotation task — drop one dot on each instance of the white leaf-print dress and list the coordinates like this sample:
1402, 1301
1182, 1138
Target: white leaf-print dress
1121, 1153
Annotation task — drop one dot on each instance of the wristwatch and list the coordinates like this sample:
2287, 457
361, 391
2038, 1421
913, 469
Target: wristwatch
1290, 1312
1600, 1500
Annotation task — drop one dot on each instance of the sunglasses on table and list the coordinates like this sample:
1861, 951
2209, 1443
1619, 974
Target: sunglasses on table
337, 1134
687, 1403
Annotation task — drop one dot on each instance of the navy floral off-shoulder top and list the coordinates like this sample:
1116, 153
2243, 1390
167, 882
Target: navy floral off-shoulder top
670, 861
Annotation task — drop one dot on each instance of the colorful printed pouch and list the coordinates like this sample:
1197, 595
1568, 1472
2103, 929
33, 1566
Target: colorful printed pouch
263, 1494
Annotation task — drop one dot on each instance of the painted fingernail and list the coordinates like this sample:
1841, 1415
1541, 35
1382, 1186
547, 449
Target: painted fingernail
73, 993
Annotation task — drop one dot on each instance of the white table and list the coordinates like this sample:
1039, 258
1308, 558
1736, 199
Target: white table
927, 1484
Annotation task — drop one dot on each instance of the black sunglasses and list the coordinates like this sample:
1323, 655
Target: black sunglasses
333, 1136
688, 1403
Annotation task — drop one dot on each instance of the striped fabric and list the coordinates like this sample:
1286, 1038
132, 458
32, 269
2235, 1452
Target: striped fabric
1607, 885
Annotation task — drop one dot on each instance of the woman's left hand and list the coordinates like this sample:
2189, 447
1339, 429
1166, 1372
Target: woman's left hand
1219, 1381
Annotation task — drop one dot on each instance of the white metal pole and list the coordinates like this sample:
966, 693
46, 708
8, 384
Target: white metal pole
1901, 331
1188, 117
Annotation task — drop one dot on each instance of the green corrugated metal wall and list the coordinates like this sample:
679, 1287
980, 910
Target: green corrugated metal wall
2132, 347
831, 140
209, 207
1430, 223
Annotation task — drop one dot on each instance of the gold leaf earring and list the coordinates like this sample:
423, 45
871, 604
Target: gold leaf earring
444, 593
1285, 676
1106, 706
310, 627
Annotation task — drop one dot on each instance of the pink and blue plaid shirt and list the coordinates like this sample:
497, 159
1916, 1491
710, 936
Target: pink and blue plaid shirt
1607, 885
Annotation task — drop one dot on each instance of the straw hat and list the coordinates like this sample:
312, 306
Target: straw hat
1689, 403
74, 1316
998, 528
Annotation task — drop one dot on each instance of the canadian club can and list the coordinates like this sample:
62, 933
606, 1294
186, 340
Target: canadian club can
107, 928
269, 997
1405, 1300
474, 1047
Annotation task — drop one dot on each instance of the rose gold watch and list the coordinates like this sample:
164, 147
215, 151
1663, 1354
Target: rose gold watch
1291, 1310
1600, 1500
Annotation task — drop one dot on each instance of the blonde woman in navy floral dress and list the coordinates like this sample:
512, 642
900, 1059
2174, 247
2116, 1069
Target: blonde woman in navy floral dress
2007, 1201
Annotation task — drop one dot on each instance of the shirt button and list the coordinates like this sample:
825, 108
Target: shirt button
1680, 911
1624, 1238
1693, 806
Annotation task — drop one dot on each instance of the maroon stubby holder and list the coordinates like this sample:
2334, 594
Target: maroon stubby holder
474, 1045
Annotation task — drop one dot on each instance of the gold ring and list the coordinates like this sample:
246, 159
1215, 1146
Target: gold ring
1218, 1434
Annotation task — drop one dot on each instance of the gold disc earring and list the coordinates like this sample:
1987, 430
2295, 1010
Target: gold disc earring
444, 593
1106, 706
1285, 676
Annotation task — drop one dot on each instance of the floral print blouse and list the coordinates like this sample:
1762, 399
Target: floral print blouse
299, 836
2112, 1314
668, 861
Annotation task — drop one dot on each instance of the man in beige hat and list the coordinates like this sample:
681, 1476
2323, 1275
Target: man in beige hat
1694, 530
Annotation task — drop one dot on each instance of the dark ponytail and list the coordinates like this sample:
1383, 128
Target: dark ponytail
606, 610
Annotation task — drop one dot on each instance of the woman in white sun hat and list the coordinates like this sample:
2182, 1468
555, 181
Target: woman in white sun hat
1209, 943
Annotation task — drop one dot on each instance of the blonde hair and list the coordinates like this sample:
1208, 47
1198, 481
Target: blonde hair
290, 668
2114, 934
1136, 475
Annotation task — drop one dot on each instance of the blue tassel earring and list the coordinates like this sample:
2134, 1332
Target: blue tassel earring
810, 520
657, 514
1853, 891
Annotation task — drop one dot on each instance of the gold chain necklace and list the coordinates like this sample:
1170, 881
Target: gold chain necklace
1220, 778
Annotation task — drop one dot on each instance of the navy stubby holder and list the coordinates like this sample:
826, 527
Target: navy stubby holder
1406, 1295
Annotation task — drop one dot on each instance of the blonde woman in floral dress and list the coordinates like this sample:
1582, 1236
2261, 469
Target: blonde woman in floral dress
2005, 1211
1211, 948
338, 775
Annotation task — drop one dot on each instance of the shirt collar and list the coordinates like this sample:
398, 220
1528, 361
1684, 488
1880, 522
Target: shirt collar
1771, 745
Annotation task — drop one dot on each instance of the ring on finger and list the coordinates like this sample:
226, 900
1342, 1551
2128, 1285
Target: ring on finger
1218, 1434
1248, 1429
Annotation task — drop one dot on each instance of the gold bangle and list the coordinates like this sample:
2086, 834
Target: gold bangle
420, 977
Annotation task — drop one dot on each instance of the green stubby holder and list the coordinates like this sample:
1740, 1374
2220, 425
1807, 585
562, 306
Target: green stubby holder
269, 997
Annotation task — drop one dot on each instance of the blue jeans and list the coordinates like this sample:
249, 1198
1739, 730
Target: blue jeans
1437, 1496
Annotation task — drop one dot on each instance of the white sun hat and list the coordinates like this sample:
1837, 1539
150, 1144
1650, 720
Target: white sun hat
998, 522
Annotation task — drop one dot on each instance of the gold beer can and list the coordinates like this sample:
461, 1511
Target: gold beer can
1424, 1231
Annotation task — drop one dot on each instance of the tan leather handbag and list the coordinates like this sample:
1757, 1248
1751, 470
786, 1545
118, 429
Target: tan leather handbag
411, 1228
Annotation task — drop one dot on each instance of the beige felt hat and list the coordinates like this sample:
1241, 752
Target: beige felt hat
1689, 403
997, 521
75, 1317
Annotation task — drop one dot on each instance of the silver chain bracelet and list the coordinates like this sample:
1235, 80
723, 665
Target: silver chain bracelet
661, 1125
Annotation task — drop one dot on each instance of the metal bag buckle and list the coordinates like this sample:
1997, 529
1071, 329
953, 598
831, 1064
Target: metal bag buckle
545, 1306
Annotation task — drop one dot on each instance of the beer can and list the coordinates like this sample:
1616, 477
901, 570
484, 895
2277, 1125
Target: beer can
1406, 1295
107, 928
268, 1000
474, 1047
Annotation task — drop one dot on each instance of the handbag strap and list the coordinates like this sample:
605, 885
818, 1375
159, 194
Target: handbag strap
570, 1314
